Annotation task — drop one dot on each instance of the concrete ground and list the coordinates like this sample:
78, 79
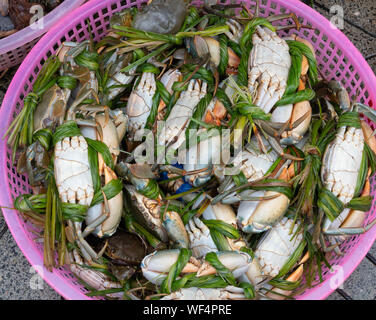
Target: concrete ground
18, 281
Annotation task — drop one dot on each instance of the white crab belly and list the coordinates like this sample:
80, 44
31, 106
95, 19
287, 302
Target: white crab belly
72, 171
341, 164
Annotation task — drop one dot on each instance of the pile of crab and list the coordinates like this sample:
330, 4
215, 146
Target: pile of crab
193, 153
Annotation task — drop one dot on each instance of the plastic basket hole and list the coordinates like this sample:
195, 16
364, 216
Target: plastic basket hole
98, 23
70, 33
106, 19
79, 27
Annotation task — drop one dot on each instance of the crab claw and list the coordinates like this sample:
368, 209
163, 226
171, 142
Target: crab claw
228, 293
200, 47
175, 229
341, 94
156, 266
108, 212
237, 262
236, 30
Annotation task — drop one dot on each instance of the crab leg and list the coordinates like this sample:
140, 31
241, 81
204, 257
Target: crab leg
350, 231
93, 278
83, 243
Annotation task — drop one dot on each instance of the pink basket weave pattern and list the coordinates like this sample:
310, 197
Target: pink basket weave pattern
337, 58
13, 49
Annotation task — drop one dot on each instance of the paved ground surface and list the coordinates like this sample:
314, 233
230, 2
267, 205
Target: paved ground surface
18, 281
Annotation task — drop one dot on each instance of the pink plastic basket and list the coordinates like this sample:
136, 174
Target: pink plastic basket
337, 57
13, 49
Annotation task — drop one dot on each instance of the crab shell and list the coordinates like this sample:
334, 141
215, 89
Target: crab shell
126, 248
51, 110
147, 210
341, 163
161, 16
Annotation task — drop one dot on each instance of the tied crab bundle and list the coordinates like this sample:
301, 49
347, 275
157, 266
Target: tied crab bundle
193, 154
